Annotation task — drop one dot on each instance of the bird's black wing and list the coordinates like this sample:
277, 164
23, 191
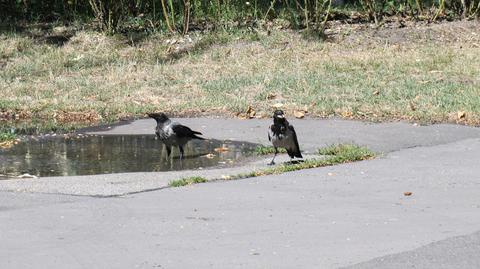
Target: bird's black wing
297, 152
184, 131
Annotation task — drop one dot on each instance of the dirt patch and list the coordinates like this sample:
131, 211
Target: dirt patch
405, 32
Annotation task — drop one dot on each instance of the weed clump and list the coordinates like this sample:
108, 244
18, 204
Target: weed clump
187, 181
264, 150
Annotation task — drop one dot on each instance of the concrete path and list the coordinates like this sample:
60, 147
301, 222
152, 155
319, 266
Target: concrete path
353, 215
312, 134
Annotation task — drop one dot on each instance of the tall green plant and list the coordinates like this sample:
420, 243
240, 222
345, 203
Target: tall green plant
166, 17
186, 16
374, 9
471, 8
179, 15
316, 15
108, 13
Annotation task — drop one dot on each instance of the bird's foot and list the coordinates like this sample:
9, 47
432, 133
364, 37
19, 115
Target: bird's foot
271, 163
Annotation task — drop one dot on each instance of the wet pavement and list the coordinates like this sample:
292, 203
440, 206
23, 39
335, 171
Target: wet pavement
98, 154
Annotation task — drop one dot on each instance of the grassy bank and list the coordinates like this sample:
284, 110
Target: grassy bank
334, 154
187, 181
426, 73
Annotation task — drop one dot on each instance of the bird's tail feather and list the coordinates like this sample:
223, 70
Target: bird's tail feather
293, 154
197, 137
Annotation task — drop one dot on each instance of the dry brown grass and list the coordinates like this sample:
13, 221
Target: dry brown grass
418, 73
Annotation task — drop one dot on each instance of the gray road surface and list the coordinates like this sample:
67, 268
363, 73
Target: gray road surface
347, 215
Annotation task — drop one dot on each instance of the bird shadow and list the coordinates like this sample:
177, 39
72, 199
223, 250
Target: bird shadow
295, 162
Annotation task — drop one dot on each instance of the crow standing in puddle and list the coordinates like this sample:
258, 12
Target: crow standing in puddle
172, 133
282, 135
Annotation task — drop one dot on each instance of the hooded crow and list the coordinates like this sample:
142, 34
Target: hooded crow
282, 135
172, 133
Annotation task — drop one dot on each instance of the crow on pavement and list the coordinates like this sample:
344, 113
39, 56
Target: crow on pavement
172, 133
282, 135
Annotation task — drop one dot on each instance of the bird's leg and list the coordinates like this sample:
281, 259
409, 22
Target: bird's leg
169, 151
182, 153
275, 155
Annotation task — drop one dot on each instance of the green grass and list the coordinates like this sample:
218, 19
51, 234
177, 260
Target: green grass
338, 154
187, 181
346, 152
335, 154
7, 139
264, 150
96, 78
7, 136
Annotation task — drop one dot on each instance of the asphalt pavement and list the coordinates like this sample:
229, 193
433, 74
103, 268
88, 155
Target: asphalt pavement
352, 215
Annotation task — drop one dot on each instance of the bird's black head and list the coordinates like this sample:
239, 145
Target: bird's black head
278, 116
159, 117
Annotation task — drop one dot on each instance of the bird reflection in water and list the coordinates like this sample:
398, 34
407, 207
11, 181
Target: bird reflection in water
88, 155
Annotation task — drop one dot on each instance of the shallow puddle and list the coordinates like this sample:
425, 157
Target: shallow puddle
88, 155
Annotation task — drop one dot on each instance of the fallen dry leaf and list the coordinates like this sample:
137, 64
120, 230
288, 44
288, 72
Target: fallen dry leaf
277, 105
250, 112
461, 115
7, 144
271, 96
242, 116
347, 114
407, 193
261, 115
221, 149
412, 106
299, 114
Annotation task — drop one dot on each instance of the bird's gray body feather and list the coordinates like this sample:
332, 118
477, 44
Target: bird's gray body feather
172, 133
282, 135
282, 139
166, 134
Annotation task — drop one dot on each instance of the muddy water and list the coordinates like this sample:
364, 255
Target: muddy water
88, 155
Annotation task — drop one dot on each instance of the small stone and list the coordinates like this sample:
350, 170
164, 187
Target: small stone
27, 175
209, 156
